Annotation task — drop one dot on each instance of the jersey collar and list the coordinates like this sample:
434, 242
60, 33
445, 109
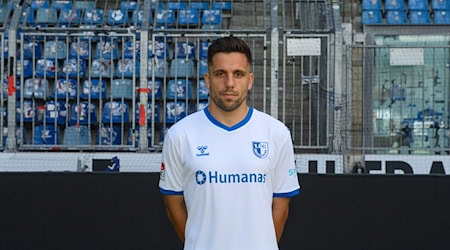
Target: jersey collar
234, 127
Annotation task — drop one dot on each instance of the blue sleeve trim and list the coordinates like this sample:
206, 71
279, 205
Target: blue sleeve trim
170, 192
290, 194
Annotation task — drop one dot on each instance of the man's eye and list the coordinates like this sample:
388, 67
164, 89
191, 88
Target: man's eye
238, 74
219, 74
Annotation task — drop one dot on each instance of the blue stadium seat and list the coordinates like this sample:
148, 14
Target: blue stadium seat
46, 16
159, 66
150, 112
74, 68
129, 5
28, 17
138, 16
93, 17
155, 89
70, 17
61, 4
83, 113
46, 68
200, 106
182, 68
204, 45
65, 88
211, 19
440, 4
32, 50
371, 5
77, 135
188, 18
107, 49
56, 112
396, 17
442, 17
177, 5
4, 15
115, 112
165, 19
133, 136
101, 68
394, 5
419, 17
21, 136
109, 136
180, 89
224, 5
24, 68
371, 17
46, 135
38, 4
184, 50
175, 111
418, 5
27, 111
161, 49
79, 50
55, 50
132, 50
199, 5
93, 89
122, 88
202, 90
36, 87
117, 17
202, 67
128, 67
84, 5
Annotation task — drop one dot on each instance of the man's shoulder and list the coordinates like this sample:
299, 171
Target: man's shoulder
270, 120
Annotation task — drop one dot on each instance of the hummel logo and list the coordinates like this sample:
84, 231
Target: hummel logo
202, 150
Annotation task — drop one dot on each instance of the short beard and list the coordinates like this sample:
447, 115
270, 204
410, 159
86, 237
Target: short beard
228, 108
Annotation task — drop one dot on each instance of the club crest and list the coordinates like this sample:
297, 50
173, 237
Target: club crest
261, 149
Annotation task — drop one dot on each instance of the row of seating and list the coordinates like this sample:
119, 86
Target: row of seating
127, 68
402, 17
107, 48
164, 18
95, 89
400, 5
84, 113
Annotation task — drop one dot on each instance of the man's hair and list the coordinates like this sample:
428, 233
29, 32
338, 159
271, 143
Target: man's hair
229, 44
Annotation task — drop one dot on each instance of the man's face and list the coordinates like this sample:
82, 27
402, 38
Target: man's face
229, 79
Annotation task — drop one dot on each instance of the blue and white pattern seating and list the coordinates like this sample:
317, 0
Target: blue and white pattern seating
83, 114
65, 89
128, 68
161, 49
56, 112
70, 17
394, 5
38, 4
46, 16
133, 136
150, 112
93, 16
93, 89
117, 17
155, 89
199, 5
84, 5
184, 50
74, 68
129, 5
159, 67
55, 50
202, 67
371, 17
79, 50
109, 135
27, 111
371, 5
202, 90
101, 68
46, 68
32, 50
137, 17
165, 19
204, 45
115, 112
180, 89
189, 17
24, 68
177, 5
46, 135
211, 19
36, 87
175, 111
107, 49
61, 4
200, 106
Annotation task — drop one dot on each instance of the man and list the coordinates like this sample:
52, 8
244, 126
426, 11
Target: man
228, 171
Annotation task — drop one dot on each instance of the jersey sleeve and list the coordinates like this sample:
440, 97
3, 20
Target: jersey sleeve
171, 181
285, 174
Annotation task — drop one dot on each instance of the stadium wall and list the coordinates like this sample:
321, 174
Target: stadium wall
125, 211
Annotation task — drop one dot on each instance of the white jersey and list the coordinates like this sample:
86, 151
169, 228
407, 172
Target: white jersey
229, 176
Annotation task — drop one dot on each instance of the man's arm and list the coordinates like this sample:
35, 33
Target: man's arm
177, 212
280, 210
